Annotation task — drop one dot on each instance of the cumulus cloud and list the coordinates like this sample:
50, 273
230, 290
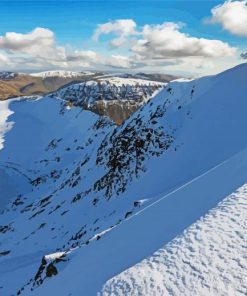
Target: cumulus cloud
122, 28
39, 42
167, 41
34, 49
162, 41
244, 55
232, 15
85, 58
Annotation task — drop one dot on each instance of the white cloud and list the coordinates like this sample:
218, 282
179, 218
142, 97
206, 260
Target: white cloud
122, 28
3, 59
161, 42
232, 15
197, 63
123, 62
84, 57
18, 41
92, 59
156, 48
167, 41
38, 42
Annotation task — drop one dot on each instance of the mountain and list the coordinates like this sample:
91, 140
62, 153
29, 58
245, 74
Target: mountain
18, 84
124, 94
85, 199
114, 97
63, 74
21, 84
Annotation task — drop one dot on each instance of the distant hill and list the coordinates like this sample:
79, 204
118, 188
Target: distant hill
18, 84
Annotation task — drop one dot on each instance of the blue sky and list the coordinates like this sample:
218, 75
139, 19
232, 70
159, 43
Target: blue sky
74, 22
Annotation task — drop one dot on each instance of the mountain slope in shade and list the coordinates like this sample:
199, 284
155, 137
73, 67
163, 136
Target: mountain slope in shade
98, 190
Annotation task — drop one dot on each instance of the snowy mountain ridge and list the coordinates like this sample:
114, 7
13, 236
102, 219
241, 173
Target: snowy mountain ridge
85, 191
61, 73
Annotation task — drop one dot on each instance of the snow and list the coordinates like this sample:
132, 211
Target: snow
5, 112
36, 120
11, 181
54, 256
119, 81
208, 258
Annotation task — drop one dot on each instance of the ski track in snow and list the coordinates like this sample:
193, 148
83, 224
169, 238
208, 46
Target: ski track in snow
209, 258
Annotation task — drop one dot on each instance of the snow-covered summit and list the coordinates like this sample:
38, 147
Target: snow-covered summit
61, 73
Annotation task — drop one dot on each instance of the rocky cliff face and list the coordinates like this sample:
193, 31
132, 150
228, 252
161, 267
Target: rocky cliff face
116, 97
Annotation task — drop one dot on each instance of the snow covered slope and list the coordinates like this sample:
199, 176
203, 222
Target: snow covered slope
96, 190
209, 258
84, 271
